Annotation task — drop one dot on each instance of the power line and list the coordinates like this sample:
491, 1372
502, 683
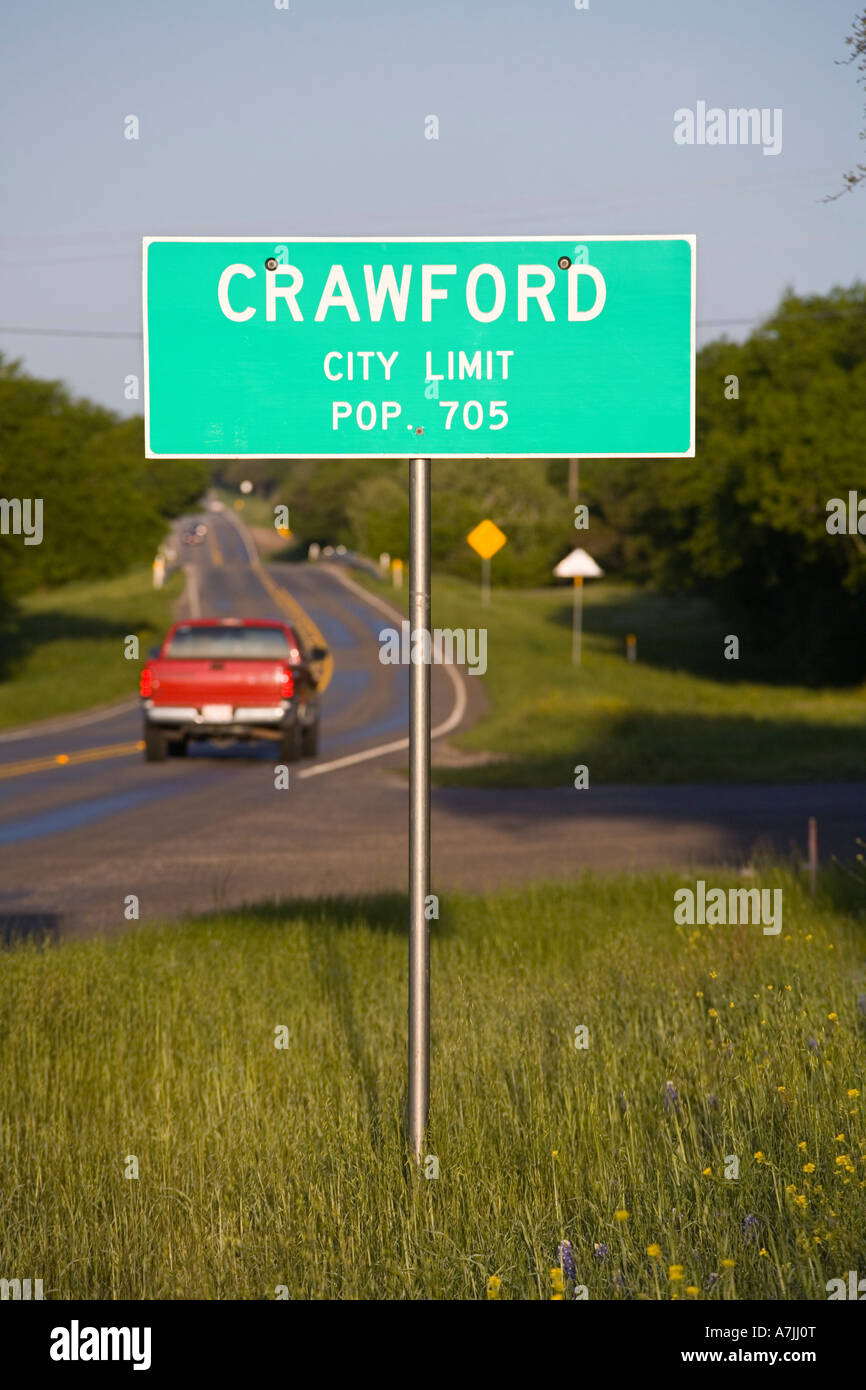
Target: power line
701, 323
69, 332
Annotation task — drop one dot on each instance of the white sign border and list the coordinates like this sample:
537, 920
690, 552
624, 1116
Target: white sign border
568, 240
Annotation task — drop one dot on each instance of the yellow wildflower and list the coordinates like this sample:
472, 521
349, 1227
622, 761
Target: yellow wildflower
808, 1167
760, 1156
675, 1272
621, 1215
654, 1251
728, 1264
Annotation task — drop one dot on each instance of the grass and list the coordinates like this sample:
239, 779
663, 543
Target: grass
261, 1167
681, 713
66, 652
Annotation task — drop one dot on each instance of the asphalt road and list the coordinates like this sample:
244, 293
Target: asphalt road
211, 831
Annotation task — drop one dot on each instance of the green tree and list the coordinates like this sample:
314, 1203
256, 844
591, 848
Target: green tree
745, 523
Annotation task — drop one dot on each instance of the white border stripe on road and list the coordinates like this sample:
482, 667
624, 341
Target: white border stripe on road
447, 725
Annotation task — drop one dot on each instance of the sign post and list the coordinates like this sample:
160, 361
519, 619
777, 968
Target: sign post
481, 347
419, 807
577, 566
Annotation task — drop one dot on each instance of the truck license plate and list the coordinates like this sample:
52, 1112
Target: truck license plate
217, 714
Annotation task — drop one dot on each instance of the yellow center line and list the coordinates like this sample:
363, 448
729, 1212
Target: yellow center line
309, 632
86, 755
213, 545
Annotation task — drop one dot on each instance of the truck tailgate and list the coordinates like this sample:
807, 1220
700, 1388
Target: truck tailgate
205, 682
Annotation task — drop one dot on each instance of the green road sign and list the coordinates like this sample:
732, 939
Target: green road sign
467, 348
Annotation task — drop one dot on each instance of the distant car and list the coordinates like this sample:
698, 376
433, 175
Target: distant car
231, 678
192, 536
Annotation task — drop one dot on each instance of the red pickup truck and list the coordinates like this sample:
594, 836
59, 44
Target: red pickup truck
231, 678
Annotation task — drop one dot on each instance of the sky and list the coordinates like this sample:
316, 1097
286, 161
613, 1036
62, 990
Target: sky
310, 121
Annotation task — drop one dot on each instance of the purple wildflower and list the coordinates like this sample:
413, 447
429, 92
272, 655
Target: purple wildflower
600, 1250
671, 1099
566, 1259
812, 1044
750, 1227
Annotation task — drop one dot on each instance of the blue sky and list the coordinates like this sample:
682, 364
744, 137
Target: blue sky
310, 121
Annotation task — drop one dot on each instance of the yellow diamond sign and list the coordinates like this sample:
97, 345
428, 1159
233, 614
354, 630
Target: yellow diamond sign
486, 539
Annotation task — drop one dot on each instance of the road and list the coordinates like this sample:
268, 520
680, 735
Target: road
85, 823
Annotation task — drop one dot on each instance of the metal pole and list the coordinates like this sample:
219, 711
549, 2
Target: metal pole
577, 621
485, 582
419, 807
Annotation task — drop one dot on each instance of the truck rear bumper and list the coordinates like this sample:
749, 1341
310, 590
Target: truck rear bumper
189, 715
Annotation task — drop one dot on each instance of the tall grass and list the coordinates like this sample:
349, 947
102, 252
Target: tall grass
262, 1167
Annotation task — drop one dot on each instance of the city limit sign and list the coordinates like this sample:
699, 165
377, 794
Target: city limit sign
286, 347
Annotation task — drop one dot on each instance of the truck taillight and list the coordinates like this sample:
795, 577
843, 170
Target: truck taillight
287, 684
145, 683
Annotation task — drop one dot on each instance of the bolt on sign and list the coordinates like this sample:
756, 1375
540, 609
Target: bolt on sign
486, 538
447, 348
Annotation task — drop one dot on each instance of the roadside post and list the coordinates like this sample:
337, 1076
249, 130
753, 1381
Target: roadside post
419, 808
577, 566
359, 347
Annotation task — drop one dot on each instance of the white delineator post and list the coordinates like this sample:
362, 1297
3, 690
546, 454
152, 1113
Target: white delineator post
577, 621
419, 807
577, 566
